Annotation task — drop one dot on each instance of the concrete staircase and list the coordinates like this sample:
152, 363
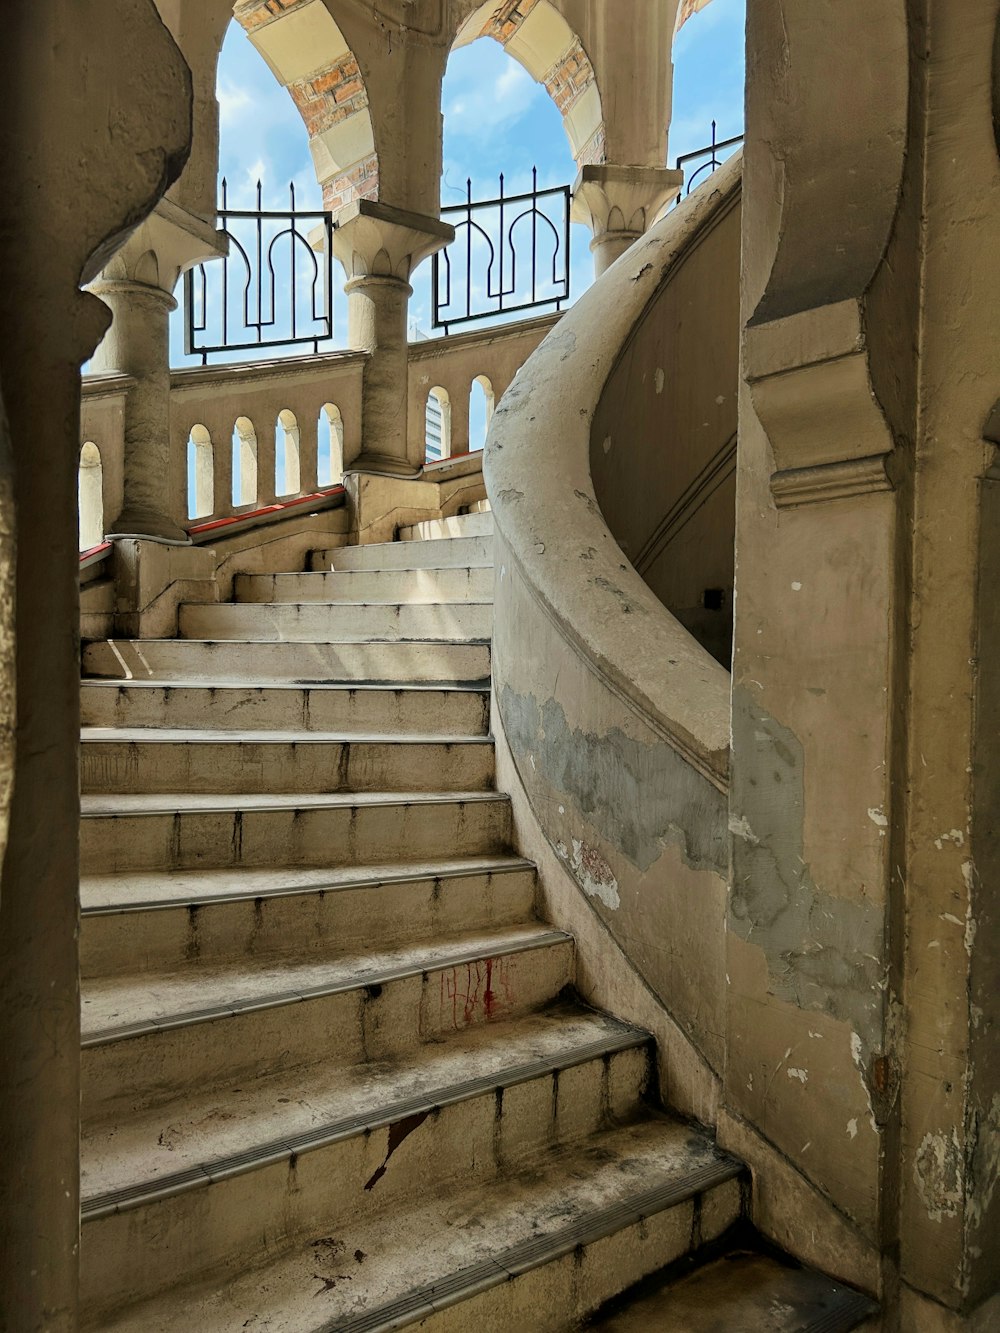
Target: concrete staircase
335, 1072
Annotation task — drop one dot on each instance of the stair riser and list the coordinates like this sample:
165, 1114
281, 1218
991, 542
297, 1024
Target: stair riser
315, 623
311, 767
378, 712
460, 525
455, 554
374, 1023
340, 835
344, 920
555, 1296
475, 1141
390, 587
305, 664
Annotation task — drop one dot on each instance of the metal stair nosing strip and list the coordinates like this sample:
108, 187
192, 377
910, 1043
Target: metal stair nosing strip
625, 1038
533, 1253
381, 977
515, 865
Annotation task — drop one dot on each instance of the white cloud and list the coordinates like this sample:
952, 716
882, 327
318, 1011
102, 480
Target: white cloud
233, 104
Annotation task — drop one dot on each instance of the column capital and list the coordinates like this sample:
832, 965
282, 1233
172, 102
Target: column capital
623, 199
376, 240
167, 244
619, 204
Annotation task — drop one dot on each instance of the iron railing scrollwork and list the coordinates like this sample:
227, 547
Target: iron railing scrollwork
271, 290
711, 153
510, 254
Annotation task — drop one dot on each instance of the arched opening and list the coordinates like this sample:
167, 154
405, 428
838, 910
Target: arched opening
308, 54
244, 463
481, 404
709, 78
437, 425
500, 119
200, 473
91, 497
330, 456
287, 461
546, 47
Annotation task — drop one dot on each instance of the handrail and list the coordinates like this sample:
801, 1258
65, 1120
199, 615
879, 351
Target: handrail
548, 518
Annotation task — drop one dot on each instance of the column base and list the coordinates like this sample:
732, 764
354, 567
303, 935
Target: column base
144, 525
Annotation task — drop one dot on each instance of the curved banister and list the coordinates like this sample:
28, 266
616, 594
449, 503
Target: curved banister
537, 469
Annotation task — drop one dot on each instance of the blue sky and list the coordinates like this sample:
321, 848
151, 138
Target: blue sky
496, 118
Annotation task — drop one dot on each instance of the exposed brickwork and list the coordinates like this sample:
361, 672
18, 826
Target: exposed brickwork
570, 77
254, 13
595, 150
506, 19
361, 182
330, 96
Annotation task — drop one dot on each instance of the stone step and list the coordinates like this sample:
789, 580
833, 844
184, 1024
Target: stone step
347, 710
159, 922
541, 1248
151, 1039
744, 1289
382, 587
138, 760
314, 622
451, 552
163, 660
459, 525
120, 833
314, 1148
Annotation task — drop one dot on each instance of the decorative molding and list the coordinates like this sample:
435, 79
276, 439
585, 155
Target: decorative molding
831, 481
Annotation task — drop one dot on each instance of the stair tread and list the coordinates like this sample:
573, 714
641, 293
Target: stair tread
370, 1274
209, 683
301, 1108
124, 1005
742, 1290
234, 736
98, 804
144, 889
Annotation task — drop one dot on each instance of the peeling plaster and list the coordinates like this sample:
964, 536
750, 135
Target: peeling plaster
937, 1170
592, 873
822, 951
639, 797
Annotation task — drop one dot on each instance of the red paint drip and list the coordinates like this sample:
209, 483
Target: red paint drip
488, 996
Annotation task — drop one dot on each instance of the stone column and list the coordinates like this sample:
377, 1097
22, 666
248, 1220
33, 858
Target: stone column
619, 204
137, 286
379, 246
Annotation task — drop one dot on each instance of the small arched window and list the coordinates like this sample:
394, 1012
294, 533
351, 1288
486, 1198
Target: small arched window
437, 425
331, 446
200, 473
244, 463
287, 459
91, 497
481, 404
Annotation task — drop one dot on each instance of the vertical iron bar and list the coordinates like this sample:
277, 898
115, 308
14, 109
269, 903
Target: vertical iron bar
468, 246
502, 230
534, 234
260, 265
292, 233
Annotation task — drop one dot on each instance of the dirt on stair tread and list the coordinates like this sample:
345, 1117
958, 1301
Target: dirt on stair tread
742, 1290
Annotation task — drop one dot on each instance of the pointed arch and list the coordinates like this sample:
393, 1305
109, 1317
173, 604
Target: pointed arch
539, 38
308, 54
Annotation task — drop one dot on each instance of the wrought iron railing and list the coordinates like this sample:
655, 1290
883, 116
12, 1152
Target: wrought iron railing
271, 290
711, 153
510, 254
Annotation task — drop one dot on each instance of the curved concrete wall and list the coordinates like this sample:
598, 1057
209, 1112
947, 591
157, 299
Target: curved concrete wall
663, 446
617, 720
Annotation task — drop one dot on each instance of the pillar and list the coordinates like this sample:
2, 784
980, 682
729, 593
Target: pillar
137, 286
619, 204
379, 246
107, 115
